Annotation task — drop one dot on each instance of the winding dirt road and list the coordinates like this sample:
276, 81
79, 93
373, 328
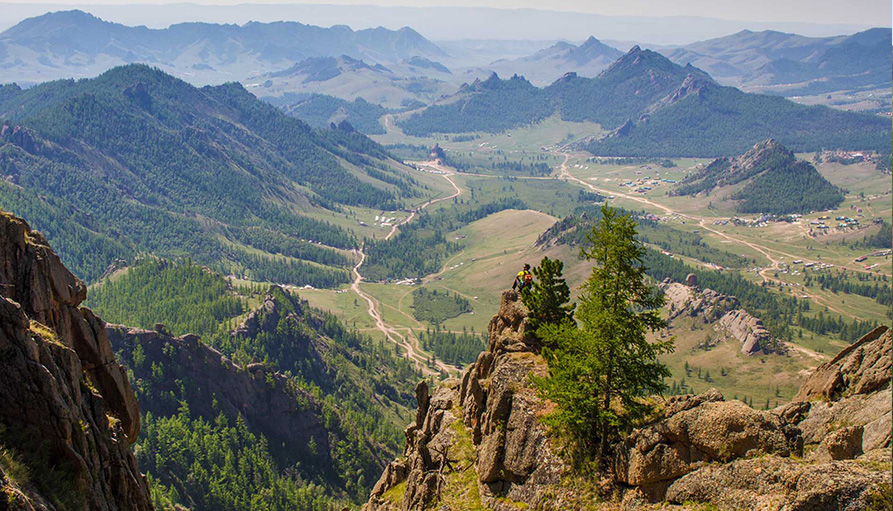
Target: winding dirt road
408, 342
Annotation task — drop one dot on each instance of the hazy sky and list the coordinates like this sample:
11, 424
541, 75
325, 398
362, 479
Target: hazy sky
868, 12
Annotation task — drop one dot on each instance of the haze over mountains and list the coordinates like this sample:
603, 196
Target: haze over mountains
78, 44
450, 23
397, 68
655, 107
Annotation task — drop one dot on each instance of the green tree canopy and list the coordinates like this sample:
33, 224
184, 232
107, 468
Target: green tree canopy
601, 368
547, 300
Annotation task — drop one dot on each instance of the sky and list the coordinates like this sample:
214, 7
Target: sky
866, 12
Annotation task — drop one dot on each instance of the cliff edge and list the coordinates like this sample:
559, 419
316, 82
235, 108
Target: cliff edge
478, 442
67, 412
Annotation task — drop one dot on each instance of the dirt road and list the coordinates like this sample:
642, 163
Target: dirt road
408, 342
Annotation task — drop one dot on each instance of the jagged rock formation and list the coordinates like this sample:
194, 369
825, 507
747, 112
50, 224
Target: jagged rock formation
478, 443
491, 413
690, 300
67, 412
750, 331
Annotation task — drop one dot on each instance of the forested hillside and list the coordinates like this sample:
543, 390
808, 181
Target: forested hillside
319, 111
136, 161
311, 423
491, 105
775, 182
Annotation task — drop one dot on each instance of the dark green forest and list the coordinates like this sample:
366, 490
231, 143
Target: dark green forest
358, 389
452, 347
776, 182
436, 307
493, 105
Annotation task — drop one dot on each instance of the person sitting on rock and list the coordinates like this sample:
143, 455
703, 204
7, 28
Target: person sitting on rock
524, 279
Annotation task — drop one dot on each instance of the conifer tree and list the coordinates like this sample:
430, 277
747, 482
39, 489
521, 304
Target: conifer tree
547, 300
600, 370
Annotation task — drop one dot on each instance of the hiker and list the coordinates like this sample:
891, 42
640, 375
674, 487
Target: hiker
523, 279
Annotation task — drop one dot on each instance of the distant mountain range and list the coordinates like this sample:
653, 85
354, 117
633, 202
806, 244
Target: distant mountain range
396, 68
139, 162
77, 44
396, 85
547, 65
656, 108
766, 179
794, 65
768, 62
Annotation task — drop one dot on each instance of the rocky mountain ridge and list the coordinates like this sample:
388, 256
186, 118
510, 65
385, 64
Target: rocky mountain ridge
67, 412
478, 443
768, 178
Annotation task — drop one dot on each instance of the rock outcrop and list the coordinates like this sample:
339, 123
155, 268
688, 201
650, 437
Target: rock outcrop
749, 331
479, 443
690, 300
487, 423
832, 453
67, 412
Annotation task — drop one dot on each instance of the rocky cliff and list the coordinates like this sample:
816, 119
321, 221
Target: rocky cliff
67, 412
287, 416
478, 442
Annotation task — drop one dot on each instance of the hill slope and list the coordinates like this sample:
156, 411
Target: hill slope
774, 182
491, 105
136, 161
320, 111
697, 117
394, 85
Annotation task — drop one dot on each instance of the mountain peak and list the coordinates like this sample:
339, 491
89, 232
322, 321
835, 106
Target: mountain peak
48, 25
762, 151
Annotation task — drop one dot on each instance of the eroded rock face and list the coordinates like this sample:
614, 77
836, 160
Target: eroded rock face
64, 400
749, 330
496, 407
713, 430
780, 483
690, 300
862, 368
